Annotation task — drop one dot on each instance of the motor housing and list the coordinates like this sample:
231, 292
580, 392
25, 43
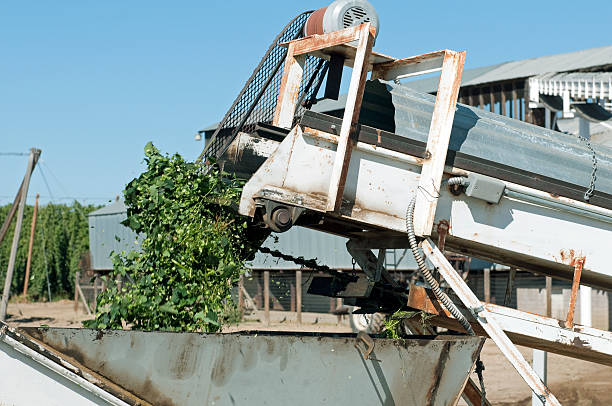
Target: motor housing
341, 14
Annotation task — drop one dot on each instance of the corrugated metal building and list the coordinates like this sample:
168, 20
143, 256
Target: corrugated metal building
107, 235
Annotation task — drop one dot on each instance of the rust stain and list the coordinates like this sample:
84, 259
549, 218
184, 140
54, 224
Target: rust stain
443, 229
439, 370
571, 257
578, 266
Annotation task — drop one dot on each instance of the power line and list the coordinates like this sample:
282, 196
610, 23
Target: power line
59, 183
14, 154
46, 183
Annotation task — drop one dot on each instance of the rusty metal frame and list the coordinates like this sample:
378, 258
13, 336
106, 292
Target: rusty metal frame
578, 266
450, 63
350, 119
437, 141
488, 323
289, 89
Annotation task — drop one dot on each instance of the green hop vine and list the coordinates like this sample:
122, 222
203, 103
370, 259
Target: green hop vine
193, 247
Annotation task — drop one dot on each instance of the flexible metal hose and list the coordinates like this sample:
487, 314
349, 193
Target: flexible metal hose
435, 286
458, 180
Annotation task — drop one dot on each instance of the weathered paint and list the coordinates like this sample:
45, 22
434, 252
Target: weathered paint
349, 122
578, 263
437, 142
289, 88
406, 67
262, 368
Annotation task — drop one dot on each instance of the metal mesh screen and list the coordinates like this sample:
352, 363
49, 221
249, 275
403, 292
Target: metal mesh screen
256, 102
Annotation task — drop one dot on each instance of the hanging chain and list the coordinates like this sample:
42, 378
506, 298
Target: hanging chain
306, 263
479, 368
589, 192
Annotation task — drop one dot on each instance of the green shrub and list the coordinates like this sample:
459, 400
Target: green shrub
192, 254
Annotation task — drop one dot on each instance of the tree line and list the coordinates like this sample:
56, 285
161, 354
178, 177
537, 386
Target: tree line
61, 248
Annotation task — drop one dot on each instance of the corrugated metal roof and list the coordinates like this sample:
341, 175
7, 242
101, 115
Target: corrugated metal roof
116, 207
577, 76
571, 61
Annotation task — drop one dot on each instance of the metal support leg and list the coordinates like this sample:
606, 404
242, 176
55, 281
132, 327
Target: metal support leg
369, 263
586, 306
579, 265
509, 286
488, 323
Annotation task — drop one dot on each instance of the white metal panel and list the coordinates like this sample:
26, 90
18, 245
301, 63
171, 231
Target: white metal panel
26, 382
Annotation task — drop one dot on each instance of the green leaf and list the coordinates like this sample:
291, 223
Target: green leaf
168, 308
207, 318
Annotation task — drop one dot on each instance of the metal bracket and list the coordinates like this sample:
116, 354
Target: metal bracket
369, 343
369, 263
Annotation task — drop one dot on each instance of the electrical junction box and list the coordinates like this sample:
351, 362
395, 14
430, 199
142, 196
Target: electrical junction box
485, 188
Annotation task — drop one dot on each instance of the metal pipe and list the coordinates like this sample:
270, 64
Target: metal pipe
589, 211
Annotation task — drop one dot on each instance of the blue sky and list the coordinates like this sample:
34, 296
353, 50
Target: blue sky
91, 82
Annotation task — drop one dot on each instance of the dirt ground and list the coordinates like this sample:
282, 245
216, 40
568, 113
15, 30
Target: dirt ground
574, 382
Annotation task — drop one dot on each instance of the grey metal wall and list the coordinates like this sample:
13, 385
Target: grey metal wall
328, 249
107, 234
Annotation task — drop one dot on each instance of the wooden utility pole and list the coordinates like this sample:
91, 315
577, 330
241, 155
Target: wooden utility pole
298, 296
487, 285
34, 155
267, 297
9, 217
29, 263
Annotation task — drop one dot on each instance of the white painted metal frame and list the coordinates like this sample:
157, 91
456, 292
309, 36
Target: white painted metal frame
350, 119
528, 229
488, 322
526, 329
450, 63
437, 142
